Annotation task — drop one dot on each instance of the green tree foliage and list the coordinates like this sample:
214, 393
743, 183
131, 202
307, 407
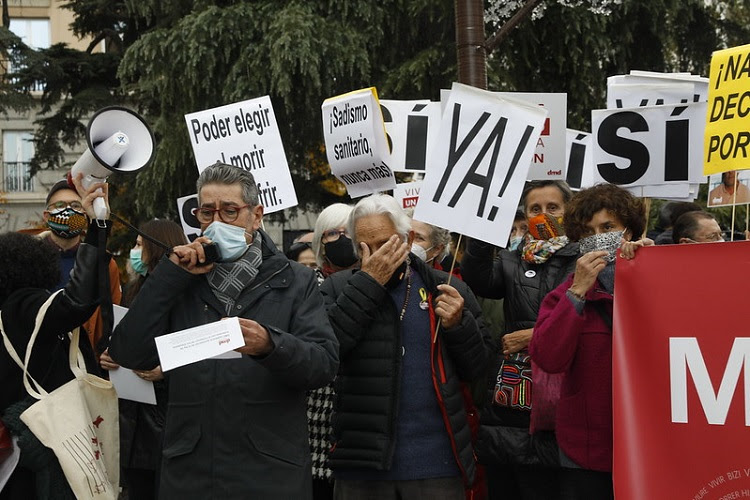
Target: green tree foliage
169, 58
574, 49
166, 58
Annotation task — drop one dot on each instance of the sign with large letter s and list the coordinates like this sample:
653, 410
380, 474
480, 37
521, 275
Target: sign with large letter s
681, 373
650, 145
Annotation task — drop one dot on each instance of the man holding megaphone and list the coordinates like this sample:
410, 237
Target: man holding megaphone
237, 427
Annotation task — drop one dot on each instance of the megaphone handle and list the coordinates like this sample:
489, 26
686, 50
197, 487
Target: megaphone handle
100, 208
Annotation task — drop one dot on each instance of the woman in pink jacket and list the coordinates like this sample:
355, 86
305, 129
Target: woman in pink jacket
573, 335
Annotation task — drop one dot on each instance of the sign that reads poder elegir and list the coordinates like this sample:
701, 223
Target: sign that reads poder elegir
355, 142
477, 170
245, 134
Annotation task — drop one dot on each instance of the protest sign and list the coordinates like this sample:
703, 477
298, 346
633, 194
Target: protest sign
652, 145
548, 161
634, 95
651, 78
675, 191
721, 188
356, 145
245, 134
407, 194
681, 408
186, 207
579, 172
411, 128
728, 117
476, 172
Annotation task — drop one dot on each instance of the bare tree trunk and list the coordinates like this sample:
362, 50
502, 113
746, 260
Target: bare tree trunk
495, 40
471, 53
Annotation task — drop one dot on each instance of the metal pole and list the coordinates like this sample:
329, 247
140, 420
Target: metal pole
470, 50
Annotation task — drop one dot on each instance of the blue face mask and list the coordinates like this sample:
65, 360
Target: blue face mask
136, 263
514, 242
229, 238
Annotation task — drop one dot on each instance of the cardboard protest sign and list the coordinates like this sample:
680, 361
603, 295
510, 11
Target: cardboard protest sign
186, 207
728, 118
356, 145
681, 408
411, 128
407, 194
245, 134
676, 191
633, 95
579, 172
651, 145
548, 161
721, 188
650, 78
477, 171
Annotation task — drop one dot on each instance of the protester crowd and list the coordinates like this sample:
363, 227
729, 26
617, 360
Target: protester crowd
376, 362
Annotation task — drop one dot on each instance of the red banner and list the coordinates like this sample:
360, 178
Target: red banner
681, 370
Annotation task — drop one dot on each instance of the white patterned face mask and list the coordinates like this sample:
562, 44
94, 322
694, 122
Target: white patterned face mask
602, 242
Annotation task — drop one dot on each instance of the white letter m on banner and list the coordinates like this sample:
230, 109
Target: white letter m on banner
685, 355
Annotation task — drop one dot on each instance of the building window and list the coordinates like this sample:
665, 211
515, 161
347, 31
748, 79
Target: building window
36, 34
33, 32
18, 149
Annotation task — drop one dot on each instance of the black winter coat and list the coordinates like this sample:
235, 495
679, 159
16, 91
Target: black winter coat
236, 428
366, 323
49, 357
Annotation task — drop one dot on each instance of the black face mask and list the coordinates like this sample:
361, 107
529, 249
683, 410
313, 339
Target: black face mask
397, 276
340, 252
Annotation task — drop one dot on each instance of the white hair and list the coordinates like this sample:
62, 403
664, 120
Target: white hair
332, 217
379, 204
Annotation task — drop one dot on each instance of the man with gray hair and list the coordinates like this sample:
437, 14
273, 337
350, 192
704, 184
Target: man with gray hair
236, 427
408, 343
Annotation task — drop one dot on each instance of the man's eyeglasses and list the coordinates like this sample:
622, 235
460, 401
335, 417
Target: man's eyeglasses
228, 213
58, 205
334, 234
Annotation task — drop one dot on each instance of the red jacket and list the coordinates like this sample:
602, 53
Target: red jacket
580, 346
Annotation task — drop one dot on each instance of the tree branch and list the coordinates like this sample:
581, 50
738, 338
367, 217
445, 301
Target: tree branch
495, 40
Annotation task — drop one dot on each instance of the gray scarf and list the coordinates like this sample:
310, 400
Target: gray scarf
228, 279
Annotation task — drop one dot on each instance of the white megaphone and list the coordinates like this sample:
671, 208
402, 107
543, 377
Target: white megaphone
118, 140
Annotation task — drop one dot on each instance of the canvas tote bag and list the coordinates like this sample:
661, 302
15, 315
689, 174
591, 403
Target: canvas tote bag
79, 421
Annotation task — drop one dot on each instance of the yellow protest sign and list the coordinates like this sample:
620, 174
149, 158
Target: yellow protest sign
726, 143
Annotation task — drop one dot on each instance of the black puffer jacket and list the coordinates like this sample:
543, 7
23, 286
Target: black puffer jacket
366, 323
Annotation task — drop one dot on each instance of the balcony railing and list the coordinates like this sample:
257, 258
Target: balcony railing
17, 177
